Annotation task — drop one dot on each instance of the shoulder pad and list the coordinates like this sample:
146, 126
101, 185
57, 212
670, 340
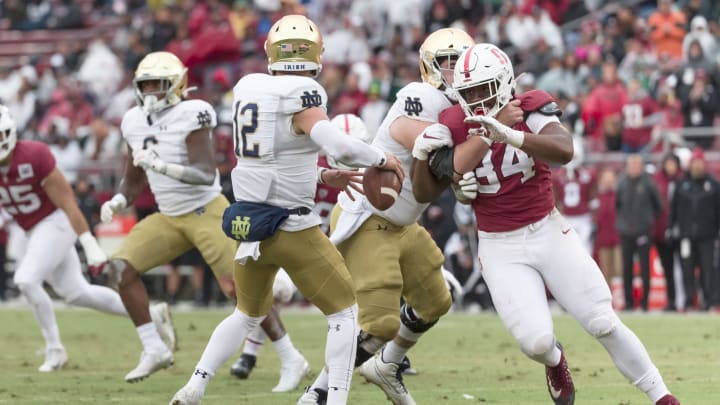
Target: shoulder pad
550, 108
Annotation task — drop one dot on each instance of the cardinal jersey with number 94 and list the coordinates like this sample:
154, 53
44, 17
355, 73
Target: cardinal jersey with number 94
514, 189
21, 191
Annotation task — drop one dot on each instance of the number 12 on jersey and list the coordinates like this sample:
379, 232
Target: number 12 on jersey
245, 123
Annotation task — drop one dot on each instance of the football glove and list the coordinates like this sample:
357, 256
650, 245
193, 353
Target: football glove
433, 137
114, 205
467, 188
94, 255
497, 131
149, 159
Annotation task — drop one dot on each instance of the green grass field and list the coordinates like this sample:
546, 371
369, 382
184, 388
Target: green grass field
465, 359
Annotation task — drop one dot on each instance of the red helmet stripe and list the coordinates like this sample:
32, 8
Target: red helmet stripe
347, 124
466, 63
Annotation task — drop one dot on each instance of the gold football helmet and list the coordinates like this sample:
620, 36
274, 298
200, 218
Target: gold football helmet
443, 43
294, 44
171, 74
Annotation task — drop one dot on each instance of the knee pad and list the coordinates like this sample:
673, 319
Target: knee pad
413, 322
602, 324
537, 347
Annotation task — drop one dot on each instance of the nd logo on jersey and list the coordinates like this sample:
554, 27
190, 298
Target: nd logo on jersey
413, 106
309, 99
240, 227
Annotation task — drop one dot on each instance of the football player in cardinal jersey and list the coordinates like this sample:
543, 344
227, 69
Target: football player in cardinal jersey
169, 140
575, 189
42, 203
524, 242
280, 124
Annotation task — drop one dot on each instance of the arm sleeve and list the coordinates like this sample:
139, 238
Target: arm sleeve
346, 149
441, 163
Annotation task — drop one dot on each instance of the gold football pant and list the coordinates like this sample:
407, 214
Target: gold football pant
159, 238
312, 262
388, 262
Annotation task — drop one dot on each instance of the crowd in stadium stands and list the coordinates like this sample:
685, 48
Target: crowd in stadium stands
634, 77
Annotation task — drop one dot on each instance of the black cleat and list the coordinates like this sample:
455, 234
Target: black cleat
243, 366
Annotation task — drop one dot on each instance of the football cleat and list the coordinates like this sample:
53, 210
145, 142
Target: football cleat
243, 366
55, 359
291, 373
559, 382
387, 376
187, 396
150, 363
668, 399
314, 396
160, 314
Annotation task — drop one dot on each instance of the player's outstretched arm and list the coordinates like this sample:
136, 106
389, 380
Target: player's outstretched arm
202, 167
62, 195
354, 152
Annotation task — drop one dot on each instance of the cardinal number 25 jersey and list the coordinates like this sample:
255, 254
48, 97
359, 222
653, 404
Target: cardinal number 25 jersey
275, 165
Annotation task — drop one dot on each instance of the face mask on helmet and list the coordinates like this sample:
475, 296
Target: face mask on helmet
438, 55
484, 80
353, 126
8, 133
294, 44
160, 82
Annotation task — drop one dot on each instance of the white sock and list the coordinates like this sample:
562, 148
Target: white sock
254, 341
321, 381
393, 352
43, 310
102, 299
150, 338
340, 353
633, 361
225, 340
285, 349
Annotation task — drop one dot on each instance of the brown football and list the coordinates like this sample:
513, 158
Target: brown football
381, 187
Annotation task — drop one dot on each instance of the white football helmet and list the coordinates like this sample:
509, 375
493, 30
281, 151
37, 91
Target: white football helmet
353, 126
8, 132
166, 68
484, 80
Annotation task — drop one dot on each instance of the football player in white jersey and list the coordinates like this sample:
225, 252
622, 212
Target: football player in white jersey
280, 124
405, 261
169, 139
38, 198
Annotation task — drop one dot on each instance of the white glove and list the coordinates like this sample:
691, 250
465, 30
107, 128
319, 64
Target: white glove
149, 159
467, 187
93, 253
497, 131
114, 205
433, 137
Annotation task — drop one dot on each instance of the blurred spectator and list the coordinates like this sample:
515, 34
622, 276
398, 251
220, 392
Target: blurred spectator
66, 150
225, 158
557, 79
373, 112
695, 222
607, 239
20, 97
353, 97
603, 108
699, 104
699, 32
667, 27
100, 72
640, 115
163, 29
37, 13
526, 28
346, 45
638, 206
65, 14
666, 178
67, 102
103, 143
